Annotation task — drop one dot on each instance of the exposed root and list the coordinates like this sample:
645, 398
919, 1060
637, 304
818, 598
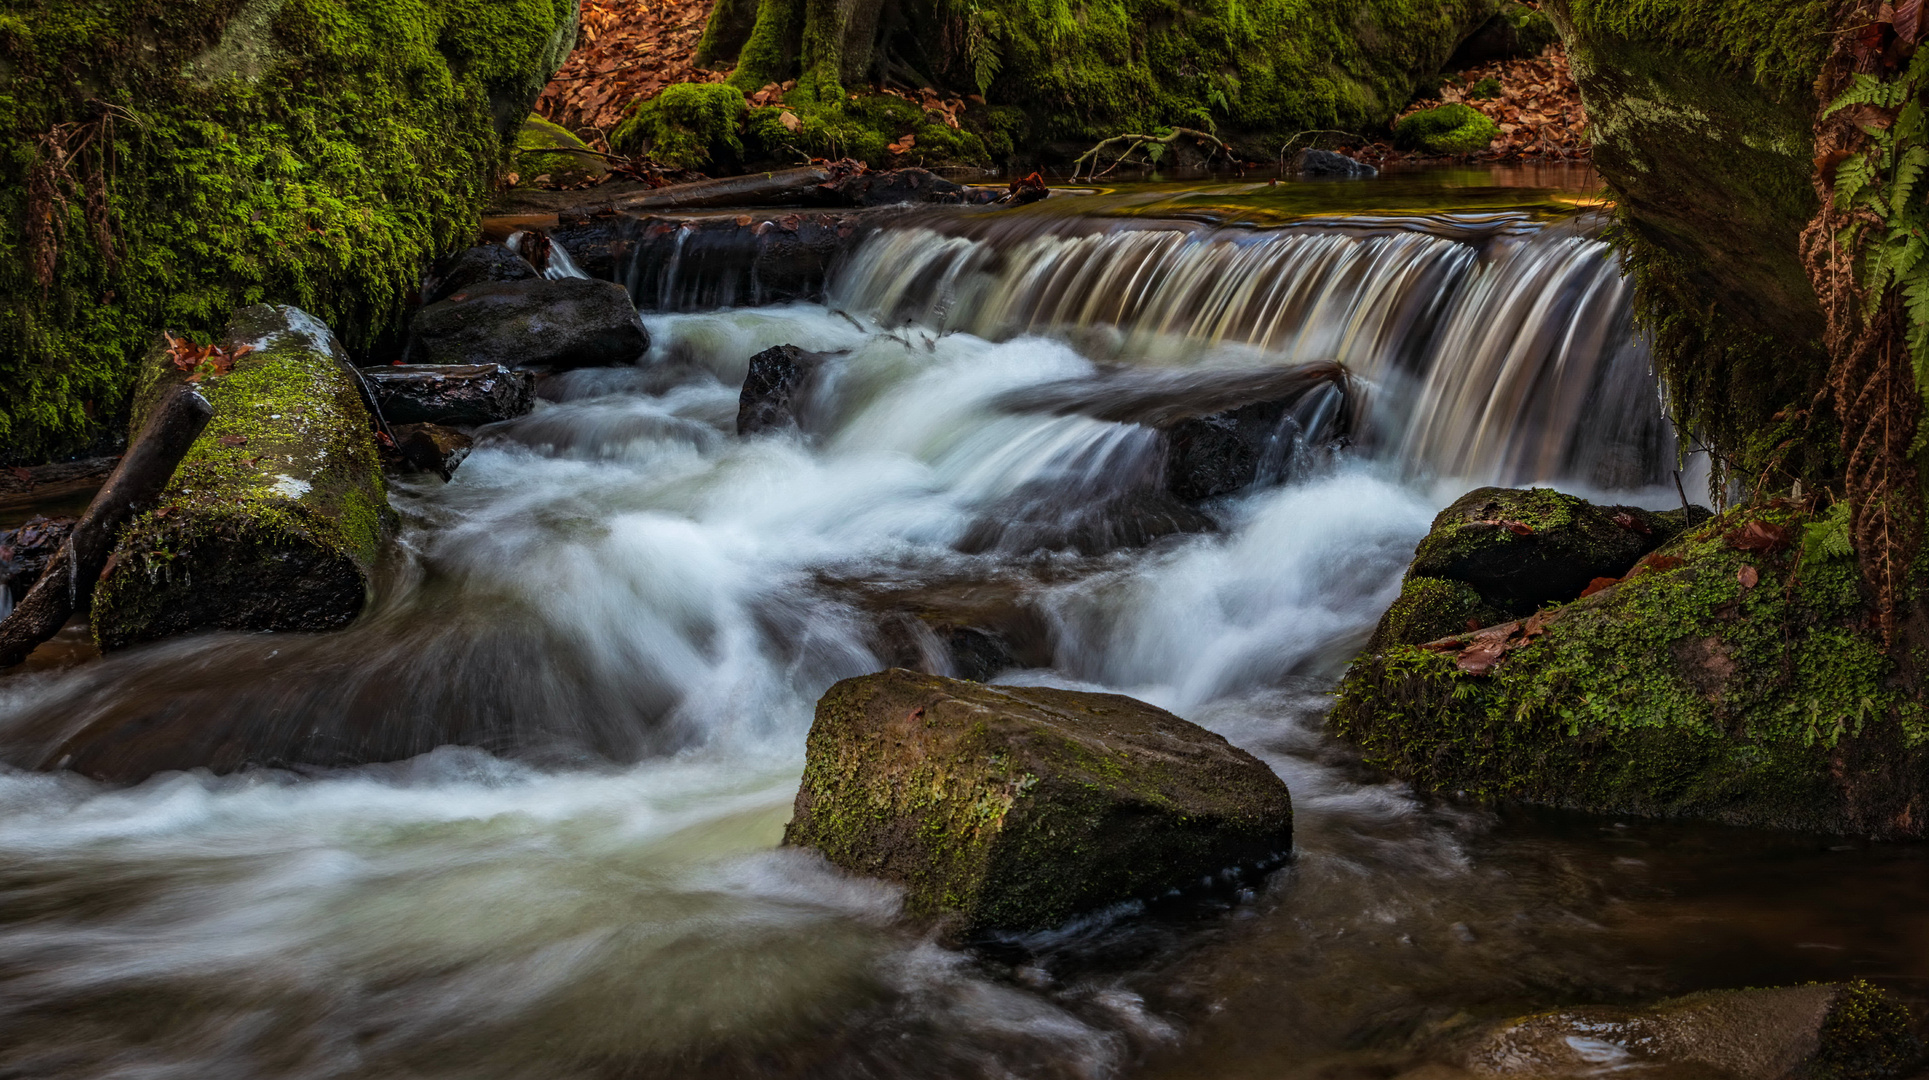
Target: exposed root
1136, 143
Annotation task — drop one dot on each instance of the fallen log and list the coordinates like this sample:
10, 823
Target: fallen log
276, 515
136, 484
756, 189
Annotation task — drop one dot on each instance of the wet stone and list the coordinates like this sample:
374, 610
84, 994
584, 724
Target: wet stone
452, 394
481, 265
772, 389
554, 323
1005, 808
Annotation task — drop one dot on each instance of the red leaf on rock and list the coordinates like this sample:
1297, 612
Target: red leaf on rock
1659, 563
1480, 658
233, 440
1748, 577
1598, 584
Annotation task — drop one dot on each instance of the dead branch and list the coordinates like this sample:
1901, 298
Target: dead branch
1140, 142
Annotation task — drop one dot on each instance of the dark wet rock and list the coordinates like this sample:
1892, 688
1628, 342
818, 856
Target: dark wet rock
1515, 31
724, 260
430, 448
461, 395
559, 323
1054, 517
1224, 431
896, 187
277, 515
777, 379
1311, 162
485, 264
1520, 549
1818, 1030
1015, 808
25, 552
966, 628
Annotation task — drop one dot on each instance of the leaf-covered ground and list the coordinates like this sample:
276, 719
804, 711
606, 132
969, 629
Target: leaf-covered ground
627, 49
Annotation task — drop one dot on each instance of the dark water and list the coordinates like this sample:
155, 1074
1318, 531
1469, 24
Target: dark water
633, 610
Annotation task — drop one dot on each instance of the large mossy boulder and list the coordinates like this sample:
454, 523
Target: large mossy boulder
1702, 118
1005, 808
1256, 73
1734, 675
277, 515
550, 150
168, 163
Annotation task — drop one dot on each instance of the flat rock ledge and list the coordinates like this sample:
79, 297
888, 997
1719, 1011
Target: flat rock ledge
1011, 809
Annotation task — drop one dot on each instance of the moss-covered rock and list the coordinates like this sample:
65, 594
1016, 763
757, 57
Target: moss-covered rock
546, 149
1521, 548
167, 163
1826, 1031
1447, 129
687, 126
1736, 677
1257, 73
276, 517
1015, 808
1702, 119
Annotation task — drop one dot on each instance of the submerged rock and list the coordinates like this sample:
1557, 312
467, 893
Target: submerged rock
275, 518
1015, 808
1818, 1030
555, 323
431, 448
464, 395
1734, 674
483, 264
965, 627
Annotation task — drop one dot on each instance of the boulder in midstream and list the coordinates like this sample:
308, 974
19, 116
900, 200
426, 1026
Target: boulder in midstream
776, 381
484, 264
275, 518
1006, 808
553, 323
460, 395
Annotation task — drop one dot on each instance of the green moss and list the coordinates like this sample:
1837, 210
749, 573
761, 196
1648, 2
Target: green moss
1679, 692
688, 126
1488, 87
287, 463
1255, 71
862, 127
1431, 608
1703, 117
1448, 129
1867, 1036
314, 152
546, 149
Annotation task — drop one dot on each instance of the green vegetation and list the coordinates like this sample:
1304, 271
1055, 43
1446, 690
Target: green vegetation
1447, 129
1682, 691
1257, 74
165, 164
546, 149
1486, 88
687, 126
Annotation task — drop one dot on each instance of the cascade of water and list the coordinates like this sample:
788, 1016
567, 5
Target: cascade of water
1488, 352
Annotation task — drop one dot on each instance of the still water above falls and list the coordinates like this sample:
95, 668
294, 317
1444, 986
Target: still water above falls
585, 682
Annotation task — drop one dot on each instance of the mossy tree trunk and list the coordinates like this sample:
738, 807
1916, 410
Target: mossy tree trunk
823, 44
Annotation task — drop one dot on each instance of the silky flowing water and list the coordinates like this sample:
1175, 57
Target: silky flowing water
591, 669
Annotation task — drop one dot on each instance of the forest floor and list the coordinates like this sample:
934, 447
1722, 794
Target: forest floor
630, 49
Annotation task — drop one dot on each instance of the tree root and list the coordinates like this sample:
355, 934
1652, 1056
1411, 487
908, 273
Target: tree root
1140, 142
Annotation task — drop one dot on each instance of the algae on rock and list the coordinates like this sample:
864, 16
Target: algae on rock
277, 516
166, 164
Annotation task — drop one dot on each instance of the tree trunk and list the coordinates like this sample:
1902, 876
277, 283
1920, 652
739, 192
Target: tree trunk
729, 28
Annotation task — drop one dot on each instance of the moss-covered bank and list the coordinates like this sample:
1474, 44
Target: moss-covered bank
1257, 73
165, 163
1702, 114
1722, 682
276, 517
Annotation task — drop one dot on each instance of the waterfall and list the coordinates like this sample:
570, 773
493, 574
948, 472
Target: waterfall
1499, 349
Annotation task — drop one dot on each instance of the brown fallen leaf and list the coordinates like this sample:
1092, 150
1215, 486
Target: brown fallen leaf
1599, 584
1748, 577
233, 440
1659, 563
1629, 521
1480, 658
1759, 537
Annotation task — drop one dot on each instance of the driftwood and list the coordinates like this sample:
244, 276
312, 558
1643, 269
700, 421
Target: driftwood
143, 473
459, 394
756, 189
1140, 142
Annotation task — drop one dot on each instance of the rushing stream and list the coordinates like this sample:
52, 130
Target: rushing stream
592, 668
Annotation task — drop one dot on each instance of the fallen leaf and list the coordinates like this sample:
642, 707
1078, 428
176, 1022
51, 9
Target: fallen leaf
1630, 522
233, 440
1598, 584
743, 219
1759, 537
1659, 563
1748, 577
789, 120
1480, 658
1473, 624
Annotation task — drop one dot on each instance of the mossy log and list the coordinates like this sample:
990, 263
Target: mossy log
276, 517
1735, 676
1016, 808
